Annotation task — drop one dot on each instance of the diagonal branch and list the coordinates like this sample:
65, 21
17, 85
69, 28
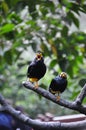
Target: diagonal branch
49, 96
80, 125
81, 96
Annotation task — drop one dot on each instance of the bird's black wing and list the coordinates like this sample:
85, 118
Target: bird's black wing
51, 87
30, 68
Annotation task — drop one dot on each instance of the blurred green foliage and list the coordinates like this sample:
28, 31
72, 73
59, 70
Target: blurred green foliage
27, 26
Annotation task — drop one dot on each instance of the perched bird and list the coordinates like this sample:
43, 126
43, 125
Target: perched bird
58, 84
36, 69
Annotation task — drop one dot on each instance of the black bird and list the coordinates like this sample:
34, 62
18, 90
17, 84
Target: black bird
58, 84
36, 69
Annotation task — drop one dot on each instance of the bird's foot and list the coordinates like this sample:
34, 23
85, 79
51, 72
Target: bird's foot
58, 98
36, 85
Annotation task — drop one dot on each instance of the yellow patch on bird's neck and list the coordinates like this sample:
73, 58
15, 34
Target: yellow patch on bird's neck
55, 92
33, 79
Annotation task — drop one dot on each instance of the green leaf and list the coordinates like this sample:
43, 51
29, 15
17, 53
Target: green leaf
14, 17
44, 49
76, 22
49, 4
16, 44
74, 19
53, 63
64, 31
82, 82
6, 28
8, 57
83, 9
5, 7
75, 8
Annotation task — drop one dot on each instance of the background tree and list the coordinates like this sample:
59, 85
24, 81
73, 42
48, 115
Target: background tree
27, 26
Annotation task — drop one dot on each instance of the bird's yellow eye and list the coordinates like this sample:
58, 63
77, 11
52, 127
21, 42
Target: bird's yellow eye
63, 75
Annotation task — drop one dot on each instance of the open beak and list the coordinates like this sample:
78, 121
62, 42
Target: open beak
39, 56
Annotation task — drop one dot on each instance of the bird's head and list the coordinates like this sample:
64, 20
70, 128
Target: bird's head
39, 55
63, 75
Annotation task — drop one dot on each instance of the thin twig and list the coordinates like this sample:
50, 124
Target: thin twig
81, 96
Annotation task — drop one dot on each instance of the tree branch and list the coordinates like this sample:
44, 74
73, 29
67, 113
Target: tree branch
80, 125
49, 96
38, 125
81, 96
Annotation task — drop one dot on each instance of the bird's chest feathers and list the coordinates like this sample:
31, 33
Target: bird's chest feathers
39, 66
60, 82
37, 71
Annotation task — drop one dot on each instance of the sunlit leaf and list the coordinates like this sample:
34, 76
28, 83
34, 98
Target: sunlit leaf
5, 7
6, 28
53, 63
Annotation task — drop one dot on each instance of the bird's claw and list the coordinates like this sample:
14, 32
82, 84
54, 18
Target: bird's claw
58, 98
36, 85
